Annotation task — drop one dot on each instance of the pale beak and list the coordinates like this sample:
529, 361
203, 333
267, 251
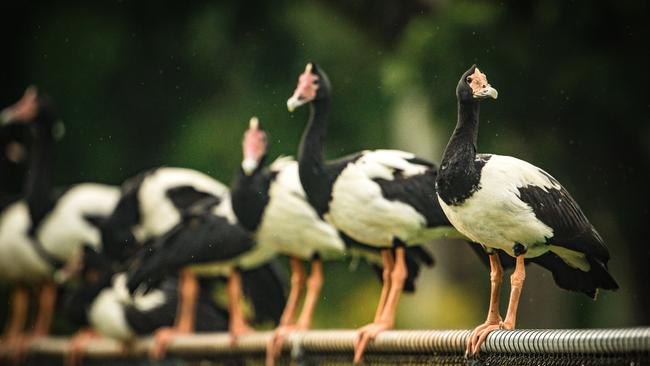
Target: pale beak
6, 116
486, 92
294, 102
249, 165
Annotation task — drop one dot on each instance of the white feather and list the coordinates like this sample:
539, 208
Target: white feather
495, 215
359, 209
290, 225
106, 314
65, 230
18, 259
158, 213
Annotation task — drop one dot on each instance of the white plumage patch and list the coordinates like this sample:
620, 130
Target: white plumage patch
65, 230
158, 213
290, 225
106, 315
359, 209
18, 259
495, 216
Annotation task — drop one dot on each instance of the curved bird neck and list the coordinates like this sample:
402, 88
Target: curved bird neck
311, 165
461, 147
459, 175
249, 195
38, 182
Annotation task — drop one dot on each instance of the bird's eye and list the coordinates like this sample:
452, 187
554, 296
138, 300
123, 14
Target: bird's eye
316, 82
469, 79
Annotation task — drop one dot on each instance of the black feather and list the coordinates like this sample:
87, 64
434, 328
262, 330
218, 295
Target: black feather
201, 238
571, 228
265, 286
570, 278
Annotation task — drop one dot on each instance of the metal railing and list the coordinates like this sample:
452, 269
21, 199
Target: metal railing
518, 347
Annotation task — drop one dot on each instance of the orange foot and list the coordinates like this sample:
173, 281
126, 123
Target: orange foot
8, 347
78, 345
281, 333
162, 338
481, 335
17, 351
365, 335
237, 330
475, 335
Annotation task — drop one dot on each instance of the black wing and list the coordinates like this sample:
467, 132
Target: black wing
571, 228
183, 197
200, 238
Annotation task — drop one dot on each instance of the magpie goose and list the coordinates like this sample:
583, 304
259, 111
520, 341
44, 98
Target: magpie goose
509, 204
271, 203
102, 305
381, 198
181, 217
42, 234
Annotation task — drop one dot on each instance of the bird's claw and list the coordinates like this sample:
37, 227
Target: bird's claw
77, 347
237, 330
161, 341
364, 335
479, 335
274, 347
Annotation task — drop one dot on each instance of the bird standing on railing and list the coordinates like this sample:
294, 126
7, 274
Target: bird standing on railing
508, 204
42, 234
381, 198
270, 202
179, 218
102, 305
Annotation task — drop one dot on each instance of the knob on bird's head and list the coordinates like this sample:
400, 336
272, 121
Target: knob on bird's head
254, 146
313, 84
473, 86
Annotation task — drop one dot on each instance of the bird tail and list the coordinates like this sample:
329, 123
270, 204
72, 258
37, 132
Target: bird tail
574, 279
415, 257
265, 286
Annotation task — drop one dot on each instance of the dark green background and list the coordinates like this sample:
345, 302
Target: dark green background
140, 84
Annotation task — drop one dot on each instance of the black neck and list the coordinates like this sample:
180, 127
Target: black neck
311, 165
460, 174
250, 197
39, 176
461, 148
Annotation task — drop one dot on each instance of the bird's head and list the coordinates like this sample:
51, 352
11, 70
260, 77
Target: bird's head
473, 86
254, 146
313, 84
33, 108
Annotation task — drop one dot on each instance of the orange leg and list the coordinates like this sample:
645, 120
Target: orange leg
493, 317
389, 264
387, 317
314, 285
78, 345
238, 324
46, 303
516, 285
297, 283
184, 323
14, 329
43, 322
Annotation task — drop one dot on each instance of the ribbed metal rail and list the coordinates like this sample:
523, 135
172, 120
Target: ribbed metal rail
538, 344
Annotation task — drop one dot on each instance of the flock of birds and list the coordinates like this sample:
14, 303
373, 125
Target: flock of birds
144, 256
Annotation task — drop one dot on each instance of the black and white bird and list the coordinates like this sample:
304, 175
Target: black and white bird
181, 219
381, 198
508, 204
42, 234
102, 305
271, 203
